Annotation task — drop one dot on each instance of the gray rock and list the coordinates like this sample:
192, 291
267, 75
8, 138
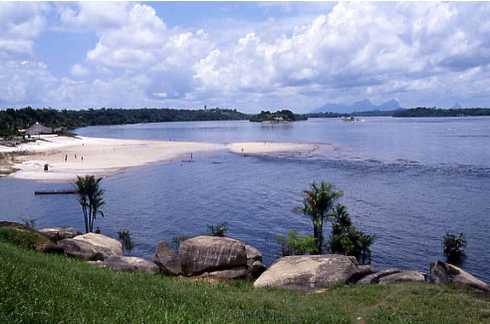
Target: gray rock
104, 244
211, 253
402, 276
256, 269
235, 273
444, 273
309, 272
59, 233
375, 277
80, 249
252, 254
167, 259
125, 263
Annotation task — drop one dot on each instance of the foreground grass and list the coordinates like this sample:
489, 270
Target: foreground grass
36, 288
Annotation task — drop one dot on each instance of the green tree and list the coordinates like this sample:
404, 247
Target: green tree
317, 204
91, 199
347, 239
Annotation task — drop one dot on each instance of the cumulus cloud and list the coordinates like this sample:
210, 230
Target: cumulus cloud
419, 53
19, 26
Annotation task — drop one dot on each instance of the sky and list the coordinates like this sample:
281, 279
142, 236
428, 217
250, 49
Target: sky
249, 56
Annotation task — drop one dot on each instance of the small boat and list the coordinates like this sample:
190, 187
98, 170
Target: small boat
349, 119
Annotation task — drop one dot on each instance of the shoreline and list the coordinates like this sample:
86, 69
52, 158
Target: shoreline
69, 157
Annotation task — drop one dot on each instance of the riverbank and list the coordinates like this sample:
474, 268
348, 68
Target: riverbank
69, 157
74, 291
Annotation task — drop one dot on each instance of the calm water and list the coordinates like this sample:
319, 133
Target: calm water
407, 181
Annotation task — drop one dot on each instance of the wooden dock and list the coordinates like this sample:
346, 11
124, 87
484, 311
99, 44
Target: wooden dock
56, 192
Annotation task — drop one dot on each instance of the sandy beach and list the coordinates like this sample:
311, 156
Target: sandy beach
69, 157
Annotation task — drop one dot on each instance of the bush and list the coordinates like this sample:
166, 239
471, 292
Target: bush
218, 229
296, 244
347, 239
453, 247
125, 238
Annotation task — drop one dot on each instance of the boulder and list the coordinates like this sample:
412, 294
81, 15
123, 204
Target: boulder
81, 250
104, 244
444, 273
235, 273
402, 276
309, 272
252, 254
24, 236
126, 263
211, 253
59, 233
256, 269
167, 259
375, 277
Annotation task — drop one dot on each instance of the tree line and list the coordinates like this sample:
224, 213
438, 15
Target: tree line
13, 119
438, 112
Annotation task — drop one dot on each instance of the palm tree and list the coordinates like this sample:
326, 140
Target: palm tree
317, 204
91, 199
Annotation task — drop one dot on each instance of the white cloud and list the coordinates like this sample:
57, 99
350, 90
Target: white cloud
79, 71
19, 26
416, 52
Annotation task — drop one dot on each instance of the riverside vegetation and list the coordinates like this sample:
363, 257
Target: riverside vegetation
52, 288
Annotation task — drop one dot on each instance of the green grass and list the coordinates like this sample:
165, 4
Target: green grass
22, 236
37, 288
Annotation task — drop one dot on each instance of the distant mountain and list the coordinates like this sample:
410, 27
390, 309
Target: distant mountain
358, 106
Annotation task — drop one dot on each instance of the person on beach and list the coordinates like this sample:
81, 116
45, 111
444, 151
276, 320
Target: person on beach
66, 157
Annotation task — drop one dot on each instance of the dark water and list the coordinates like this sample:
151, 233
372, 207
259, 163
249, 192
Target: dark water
407, 181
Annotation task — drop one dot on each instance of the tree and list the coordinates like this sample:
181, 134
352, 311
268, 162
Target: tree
453, 247
91, 199
347, 239
317, 204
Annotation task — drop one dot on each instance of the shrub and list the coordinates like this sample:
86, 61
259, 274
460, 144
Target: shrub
347, 239
218, 229
453, 247
125, 238
296, 244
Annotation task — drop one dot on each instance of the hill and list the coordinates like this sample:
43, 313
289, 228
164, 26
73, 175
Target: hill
358, 106
38, 288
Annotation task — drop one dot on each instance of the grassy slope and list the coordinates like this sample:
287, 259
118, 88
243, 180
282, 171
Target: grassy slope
49, 288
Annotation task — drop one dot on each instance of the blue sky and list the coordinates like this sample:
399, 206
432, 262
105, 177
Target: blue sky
249, 56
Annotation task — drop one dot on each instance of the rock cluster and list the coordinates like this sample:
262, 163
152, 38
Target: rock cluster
210, 256
227, 258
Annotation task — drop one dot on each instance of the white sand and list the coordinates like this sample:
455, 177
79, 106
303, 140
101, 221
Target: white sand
102, 156
261, 148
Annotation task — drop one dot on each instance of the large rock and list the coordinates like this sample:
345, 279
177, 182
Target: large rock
24, 236
309, 272
235, 273
444, 273
252, 254
167, 259
374, 278
125, 263
104, 244
82, 250
60, 233
255, 269
211, 253
402, 276
254, 262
